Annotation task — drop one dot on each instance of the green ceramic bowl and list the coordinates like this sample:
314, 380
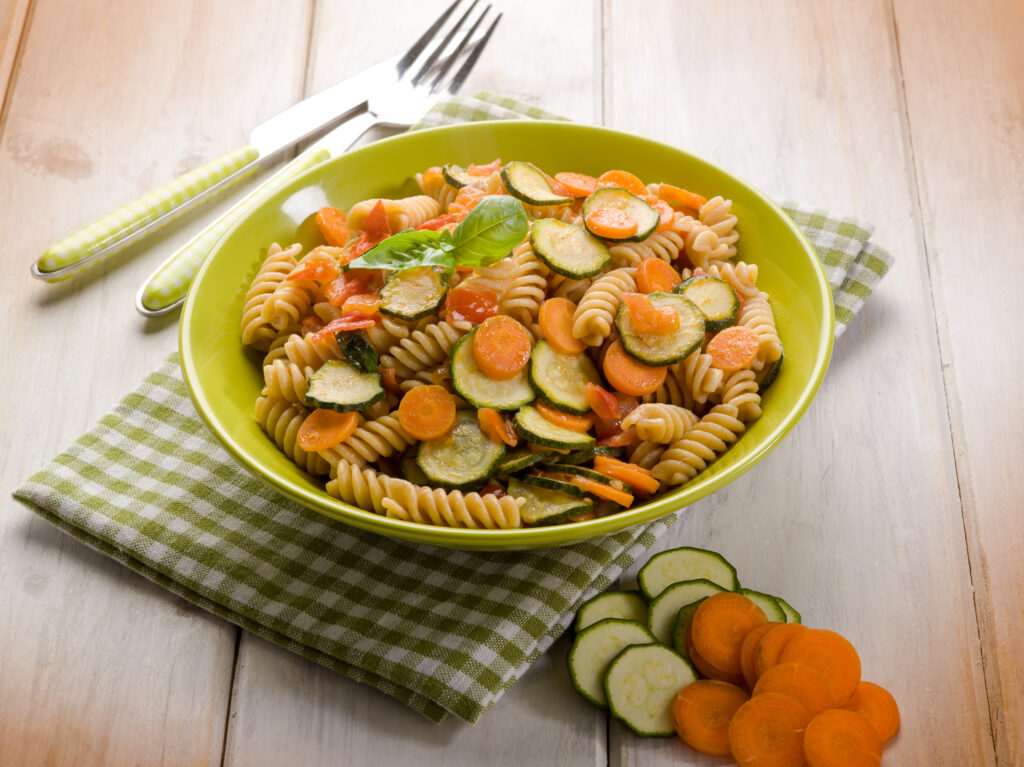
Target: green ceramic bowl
225, 378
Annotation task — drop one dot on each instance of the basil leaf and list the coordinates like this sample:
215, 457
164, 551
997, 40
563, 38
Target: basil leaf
495, 226
406, 250
358, 351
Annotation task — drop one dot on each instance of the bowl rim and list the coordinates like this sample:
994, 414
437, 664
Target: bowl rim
525, 537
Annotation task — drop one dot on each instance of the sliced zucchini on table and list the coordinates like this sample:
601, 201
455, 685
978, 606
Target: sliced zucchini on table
595, 648
683, 620
645, 216
480, 391
658, 349
568, 250
411, 294
664, 609
340, 385
560, 378
525, 181
464, 459
626, 605
792, 616
550, 483
641, 684
769, 605
714, 297
543, 506
457, 176
534, 427
685, 563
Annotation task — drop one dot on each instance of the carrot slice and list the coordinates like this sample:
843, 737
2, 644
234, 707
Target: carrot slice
580, 423
619, 438
323, 429
601, 490
830, 653
501, 347
656, 276
705, 668
363, 303
611, 223
601, 401
648, 318
331, 223
719, 626
622, 179
748, 651
427, 412
770, 648
878, 706
666, 216
841, 738
674, 194
579, 184
702, 712
733, 348
555, 320
629, 376
637, 477
798, 681
768, 731
496, 426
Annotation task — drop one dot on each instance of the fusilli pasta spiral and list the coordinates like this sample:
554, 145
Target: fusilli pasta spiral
757, 315
684, 459
277, 265
382, 436
740, 390
281, 420
663, 424
595, 315
715, 215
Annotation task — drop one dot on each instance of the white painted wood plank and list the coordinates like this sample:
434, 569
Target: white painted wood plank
100, 667
13, 15
855, 517
967, 129
286, 707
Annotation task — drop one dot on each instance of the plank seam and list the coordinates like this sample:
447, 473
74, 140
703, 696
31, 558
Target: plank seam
19, 53
231, 697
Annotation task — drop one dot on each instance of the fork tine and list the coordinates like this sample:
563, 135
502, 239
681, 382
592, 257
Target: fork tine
445, 65
417, 47
467, 66
442, 46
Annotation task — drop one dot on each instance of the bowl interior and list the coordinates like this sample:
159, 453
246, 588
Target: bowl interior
225, 378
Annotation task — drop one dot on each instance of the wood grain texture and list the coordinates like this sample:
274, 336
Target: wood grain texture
967, 129
13, 18
100, 667
855, 517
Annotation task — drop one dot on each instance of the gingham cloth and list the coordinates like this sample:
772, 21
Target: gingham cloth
441, 630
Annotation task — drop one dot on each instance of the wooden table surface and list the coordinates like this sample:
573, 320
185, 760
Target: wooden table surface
891, 513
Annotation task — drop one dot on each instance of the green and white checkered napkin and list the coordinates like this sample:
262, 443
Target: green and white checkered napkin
441, 630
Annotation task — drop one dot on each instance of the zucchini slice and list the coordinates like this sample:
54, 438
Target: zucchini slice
641, 684
682, 627
769, 605
577, 457
771, 375
526, 181
457, 176
480, 391
646, 217
685, 563
595, 648
626, 605
544, 506
412, 472
714, 297
663, 348
411, 294
568, 250
560, 378
534, 427
550, 483
792, 616
665, 607
521, 459
340, 385
464, 458
583, 471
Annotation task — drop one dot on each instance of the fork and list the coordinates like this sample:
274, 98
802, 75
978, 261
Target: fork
399, 105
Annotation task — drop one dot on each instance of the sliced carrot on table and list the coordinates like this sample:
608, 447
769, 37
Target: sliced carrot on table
501, 347
579, 184
555, 320
622, 179
648, 318
733, 348
601, 490
830, 653
748, 651
841, 738
878, 706
427, 412
770, 648
630, 376
719, 626
612, 223
497, 426
702, 712
323, 429
705, 668
674, 194
331, 223
768, 731
656, 276
580, 423
799, 681
637, 477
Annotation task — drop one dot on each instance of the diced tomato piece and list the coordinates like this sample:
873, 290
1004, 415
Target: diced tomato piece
439, 223
493, 488
346, 322
484, 170
376, 225
471, 304
316, 267
601, 401
619, 438
362, 303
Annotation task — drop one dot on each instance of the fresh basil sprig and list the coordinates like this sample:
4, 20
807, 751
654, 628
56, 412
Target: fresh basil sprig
495, 226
